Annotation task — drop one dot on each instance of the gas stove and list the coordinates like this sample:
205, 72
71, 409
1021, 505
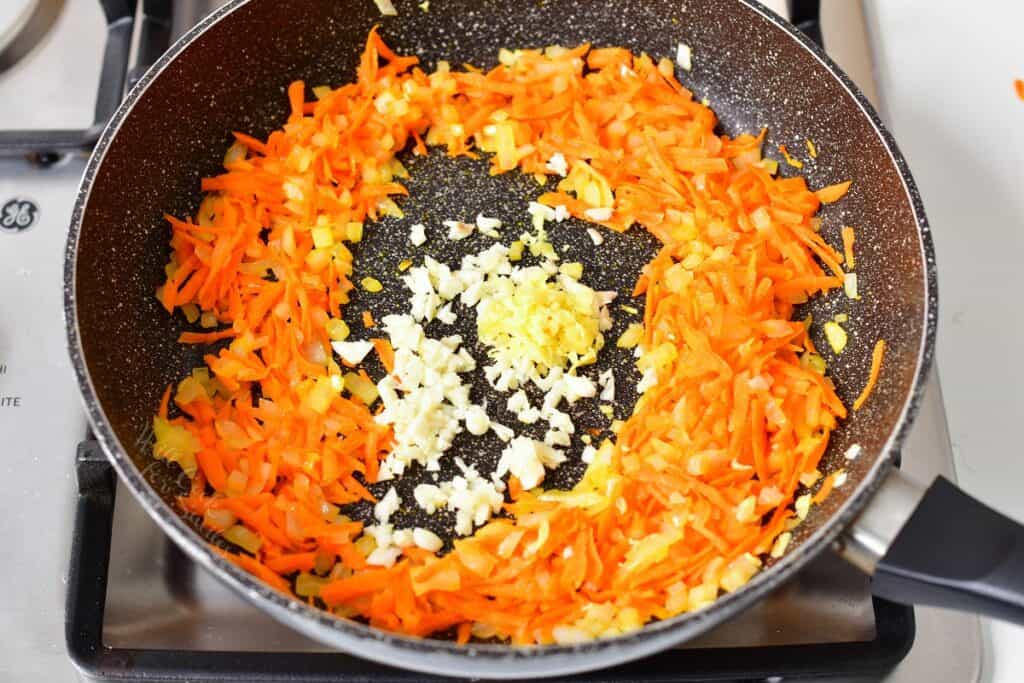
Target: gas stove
94, 588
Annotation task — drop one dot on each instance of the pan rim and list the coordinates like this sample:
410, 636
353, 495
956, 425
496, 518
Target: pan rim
488, 660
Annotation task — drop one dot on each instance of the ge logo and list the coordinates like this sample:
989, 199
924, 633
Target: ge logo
18, 215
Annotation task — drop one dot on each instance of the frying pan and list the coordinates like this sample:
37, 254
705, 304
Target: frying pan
934, 546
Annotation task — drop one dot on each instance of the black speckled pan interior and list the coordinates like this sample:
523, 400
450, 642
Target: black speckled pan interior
230, 74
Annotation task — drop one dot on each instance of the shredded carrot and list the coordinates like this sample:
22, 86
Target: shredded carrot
164, 402
826, 488
1018, 85
673, 507
792, 161
205, 337
385, 353
257, 568
291, 562
812, 149
848, 240
251, 142
833, 193
876, 368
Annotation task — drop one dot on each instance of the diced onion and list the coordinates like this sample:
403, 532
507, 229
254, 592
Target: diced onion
307, 585
836, 336
684, 56
850, 285
243, 538
781, 543
386, 8
362, 388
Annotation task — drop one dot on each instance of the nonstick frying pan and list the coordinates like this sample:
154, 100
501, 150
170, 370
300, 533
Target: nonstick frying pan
936, 546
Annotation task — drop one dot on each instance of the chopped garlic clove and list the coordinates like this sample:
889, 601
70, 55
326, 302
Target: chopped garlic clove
557, 164
352, 352
418, 234
387, 506
477, 421
684, 57
458, 230
502, 432
427, 539
527, 459
485, 223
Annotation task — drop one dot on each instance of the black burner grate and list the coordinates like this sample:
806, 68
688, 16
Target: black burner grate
86, 599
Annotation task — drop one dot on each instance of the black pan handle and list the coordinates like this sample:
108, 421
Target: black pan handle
155, 33
939, 546
806, 16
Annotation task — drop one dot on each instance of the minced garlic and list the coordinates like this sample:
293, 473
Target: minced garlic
542, 320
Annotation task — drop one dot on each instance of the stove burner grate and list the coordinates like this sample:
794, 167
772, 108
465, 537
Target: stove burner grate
86, 601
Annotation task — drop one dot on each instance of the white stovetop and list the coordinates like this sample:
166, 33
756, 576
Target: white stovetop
945, 74
41, 417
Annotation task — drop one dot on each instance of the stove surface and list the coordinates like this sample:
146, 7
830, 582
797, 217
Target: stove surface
157, 599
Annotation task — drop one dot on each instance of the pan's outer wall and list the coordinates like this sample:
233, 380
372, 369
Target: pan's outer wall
231, 74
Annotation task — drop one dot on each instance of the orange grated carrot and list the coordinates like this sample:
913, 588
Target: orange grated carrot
385, 353
833, 193
792, 161
368, 321
205, 337
164, 401
257, 568
1018, 85
812, 149
876, 368
826, 488
849, 237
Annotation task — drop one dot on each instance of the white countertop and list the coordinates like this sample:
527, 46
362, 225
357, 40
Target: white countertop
945, 73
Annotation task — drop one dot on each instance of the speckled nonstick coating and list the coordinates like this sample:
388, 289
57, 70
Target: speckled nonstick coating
230, 72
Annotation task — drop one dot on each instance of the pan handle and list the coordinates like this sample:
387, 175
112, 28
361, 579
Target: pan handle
806, 16
155, 36
939, 546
